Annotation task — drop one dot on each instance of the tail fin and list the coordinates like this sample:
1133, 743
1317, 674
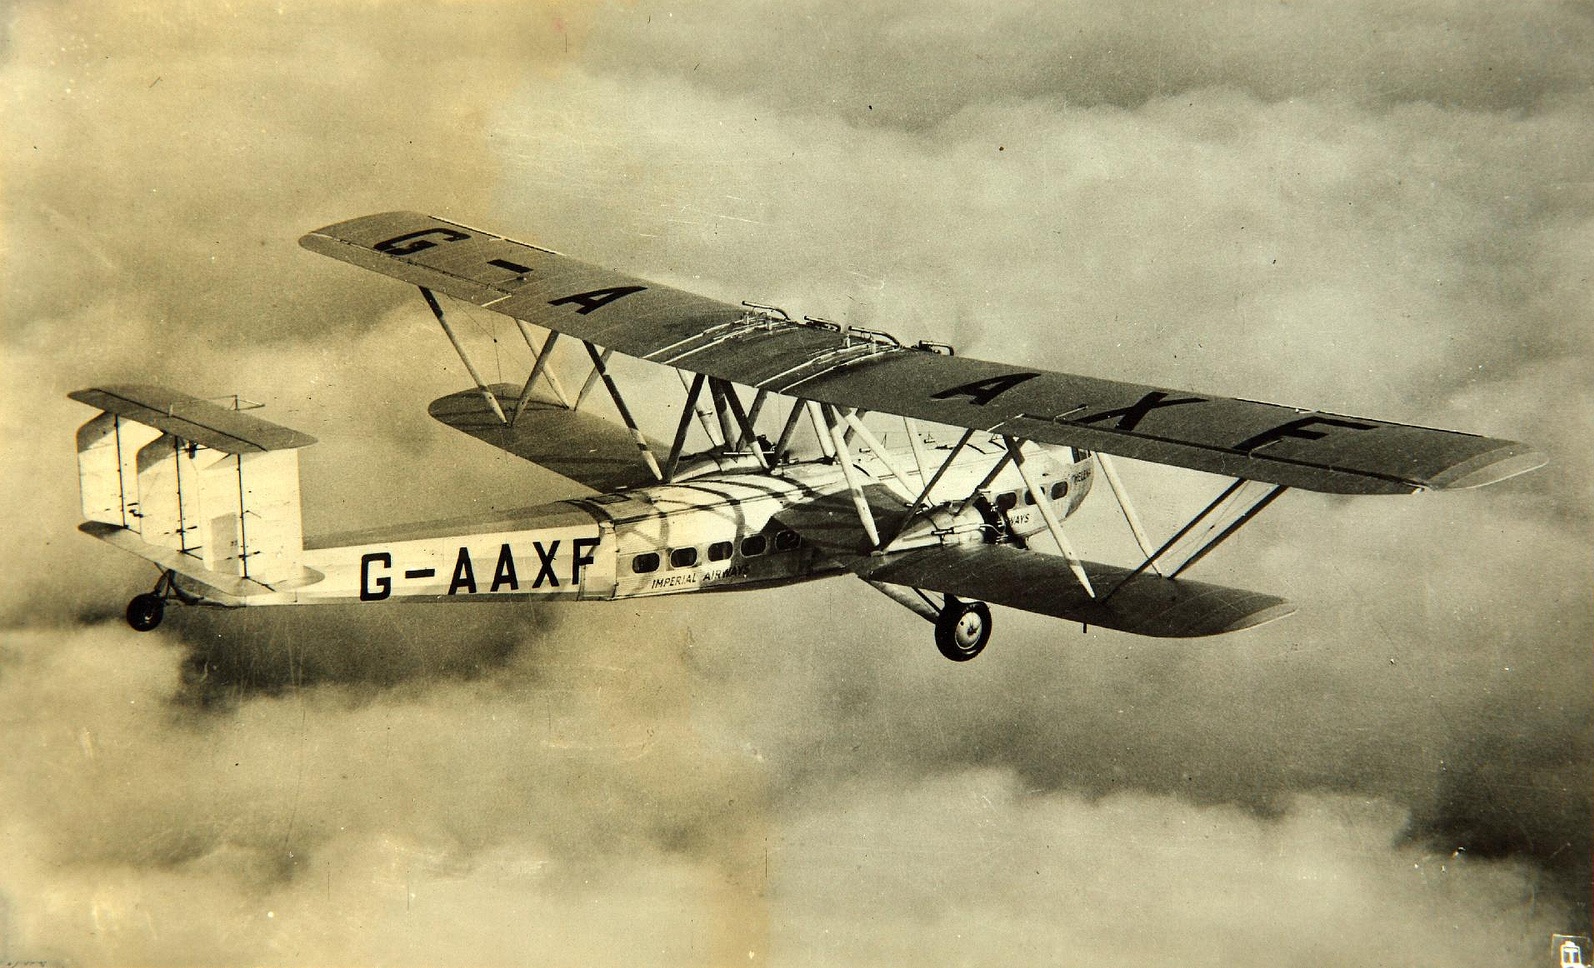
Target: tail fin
199, 489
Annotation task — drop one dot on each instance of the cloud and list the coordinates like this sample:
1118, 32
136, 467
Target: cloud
1365, 259
909, 65
1356, 208
419, 817
513, 794
975, 866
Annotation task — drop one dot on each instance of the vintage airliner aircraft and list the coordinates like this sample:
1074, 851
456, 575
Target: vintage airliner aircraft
972, 510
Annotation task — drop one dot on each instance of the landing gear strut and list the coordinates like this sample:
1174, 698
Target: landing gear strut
962, 629
145, 611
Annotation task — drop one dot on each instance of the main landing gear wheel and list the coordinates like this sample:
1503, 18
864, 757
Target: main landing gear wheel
145, 611
962, 629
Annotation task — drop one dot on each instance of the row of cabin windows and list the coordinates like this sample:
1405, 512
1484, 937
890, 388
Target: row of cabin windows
1008, 500
752, 546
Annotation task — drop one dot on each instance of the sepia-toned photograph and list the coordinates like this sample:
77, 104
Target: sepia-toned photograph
718, 483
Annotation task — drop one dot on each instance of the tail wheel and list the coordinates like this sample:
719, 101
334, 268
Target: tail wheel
962, 629
145, 611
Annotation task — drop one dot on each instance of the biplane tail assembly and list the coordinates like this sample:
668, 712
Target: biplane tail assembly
203, 491
967, 504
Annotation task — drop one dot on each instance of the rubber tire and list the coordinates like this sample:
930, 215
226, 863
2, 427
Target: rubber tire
962, 629
145, 612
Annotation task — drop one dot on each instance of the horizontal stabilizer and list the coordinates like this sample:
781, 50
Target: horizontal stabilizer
192, 419
582, 447
1146, 604
227, 589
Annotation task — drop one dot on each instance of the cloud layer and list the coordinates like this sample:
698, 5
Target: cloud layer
1352, 208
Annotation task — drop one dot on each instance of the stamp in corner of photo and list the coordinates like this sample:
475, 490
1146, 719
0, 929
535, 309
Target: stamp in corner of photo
1571, 951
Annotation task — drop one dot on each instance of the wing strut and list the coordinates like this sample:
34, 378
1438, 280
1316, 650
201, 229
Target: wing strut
1048, 515
759, 399
1109, 470
1230, 511
539, 367
599, 367
705, 413
599, 362
784, 441
827, 446
903, 487
464, 357
681, 428
736, 418
985, 481
849, 431
729, 432
865, 516
922, 501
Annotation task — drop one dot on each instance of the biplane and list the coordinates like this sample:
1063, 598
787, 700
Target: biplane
774, 474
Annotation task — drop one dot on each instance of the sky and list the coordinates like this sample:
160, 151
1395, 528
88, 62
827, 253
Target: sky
1367, 208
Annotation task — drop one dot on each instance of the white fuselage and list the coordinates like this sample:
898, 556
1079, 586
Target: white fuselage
710, 529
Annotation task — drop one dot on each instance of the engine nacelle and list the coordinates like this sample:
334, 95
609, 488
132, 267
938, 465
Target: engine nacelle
942, 526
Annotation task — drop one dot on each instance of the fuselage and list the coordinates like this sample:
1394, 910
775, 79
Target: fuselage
716, 527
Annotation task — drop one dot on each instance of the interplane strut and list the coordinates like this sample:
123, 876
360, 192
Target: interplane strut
1230, 511
850, 474
732, 427
1109, 470
600, 367
539, 367
682, 426
922, 501
1048, 515
464, 357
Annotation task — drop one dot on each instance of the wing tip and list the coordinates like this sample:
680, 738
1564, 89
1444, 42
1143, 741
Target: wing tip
1490, 467
1210, 611
1262, 616
316, 240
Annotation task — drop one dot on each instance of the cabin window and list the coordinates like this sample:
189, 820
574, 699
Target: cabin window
719, 550
642, 564
754, 545
1006, 501
683, 557
1059, 490
787, 540
1029, 496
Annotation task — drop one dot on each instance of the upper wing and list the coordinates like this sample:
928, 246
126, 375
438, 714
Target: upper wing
1239, 438
579, 446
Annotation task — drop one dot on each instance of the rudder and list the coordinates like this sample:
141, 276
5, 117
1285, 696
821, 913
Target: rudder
209, 492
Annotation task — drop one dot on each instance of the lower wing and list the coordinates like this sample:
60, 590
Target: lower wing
578, 446
1143, 604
